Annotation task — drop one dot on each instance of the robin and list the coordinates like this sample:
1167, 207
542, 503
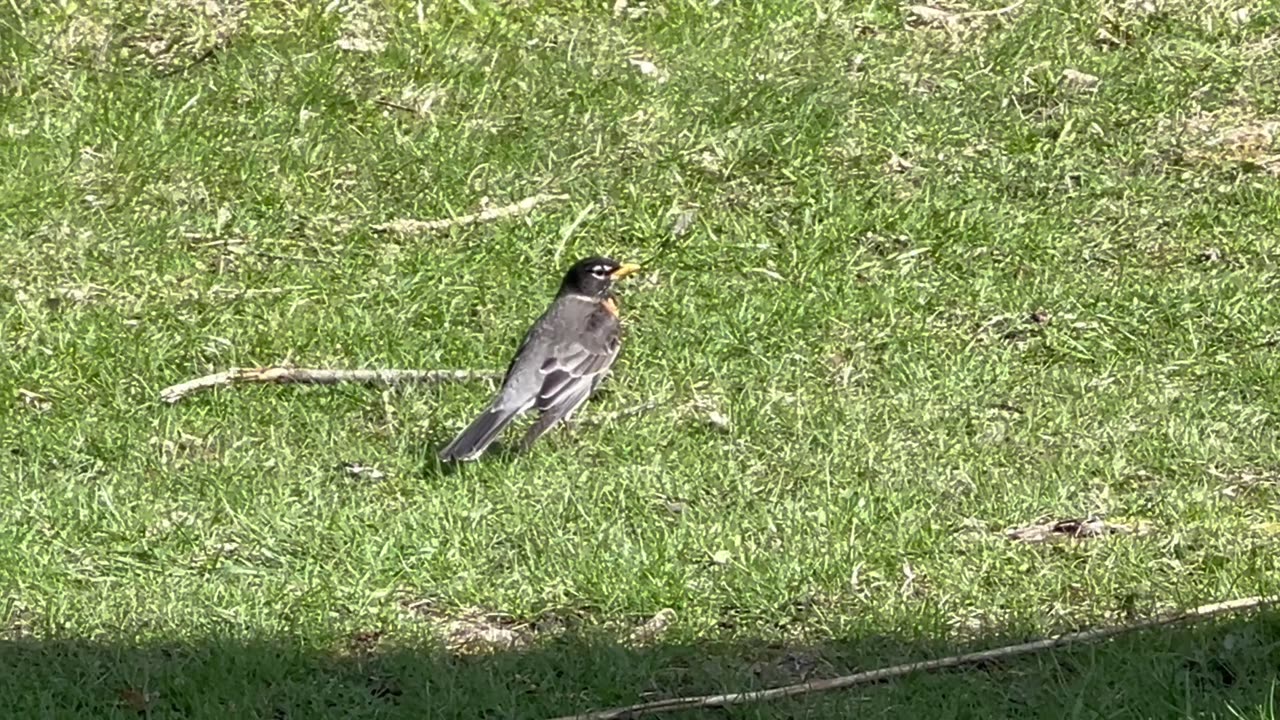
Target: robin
562, 359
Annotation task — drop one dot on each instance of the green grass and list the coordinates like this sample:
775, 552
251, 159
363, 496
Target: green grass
1061, 302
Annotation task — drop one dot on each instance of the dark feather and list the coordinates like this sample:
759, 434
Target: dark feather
479, 435
568, 403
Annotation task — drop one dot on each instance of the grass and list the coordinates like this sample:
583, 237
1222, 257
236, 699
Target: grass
937, 289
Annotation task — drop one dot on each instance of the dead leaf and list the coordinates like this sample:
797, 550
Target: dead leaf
139, 701
909, 578
1078, 80
647, 67
361, 45
364, 472
34, 401
644, 66
654, 627
717, 420
226, 549
897, 164
364, 642
1107, 40
683, 222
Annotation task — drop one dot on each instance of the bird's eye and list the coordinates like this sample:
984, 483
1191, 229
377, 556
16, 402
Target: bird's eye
600, 271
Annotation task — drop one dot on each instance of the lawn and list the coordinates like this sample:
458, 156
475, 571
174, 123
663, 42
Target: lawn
914, 277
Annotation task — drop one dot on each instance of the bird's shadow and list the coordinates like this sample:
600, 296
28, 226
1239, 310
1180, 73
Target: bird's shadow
499, 453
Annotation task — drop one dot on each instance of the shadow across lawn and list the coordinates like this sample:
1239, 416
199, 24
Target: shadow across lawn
1222, 668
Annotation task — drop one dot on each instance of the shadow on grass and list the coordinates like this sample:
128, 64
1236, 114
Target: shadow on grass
1222, 668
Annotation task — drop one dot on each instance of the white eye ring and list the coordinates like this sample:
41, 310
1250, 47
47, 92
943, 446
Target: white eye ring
600, 271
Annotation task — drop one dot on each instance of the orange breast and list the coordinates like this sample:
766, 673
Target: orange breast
611, 305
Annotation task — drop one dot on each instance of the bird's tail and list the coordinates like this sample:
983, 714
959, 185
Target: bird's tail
479, 435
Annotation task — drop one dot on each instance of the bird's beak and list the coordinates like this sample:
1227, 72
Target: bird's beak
624, 270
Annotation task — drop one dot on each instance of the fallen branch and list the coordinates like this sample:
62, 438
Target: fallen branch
312, 376
871, 676
414, 227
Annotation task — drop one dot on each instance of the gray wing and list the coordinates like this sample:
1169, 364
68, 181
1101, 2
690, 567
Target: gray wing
578, 366
575, 342
571, 373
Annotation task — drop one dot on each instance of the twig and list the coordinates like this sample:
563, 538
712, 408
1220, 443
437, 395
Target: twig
395, 106
313, 376
208, 54
987, 13
863, 678
928, 13
413, 227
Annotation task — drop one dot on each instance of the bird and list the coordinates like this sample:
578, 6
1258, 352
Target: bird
559, 364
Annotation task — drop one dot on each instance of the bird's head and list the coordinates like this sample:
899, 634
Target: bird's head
594, 276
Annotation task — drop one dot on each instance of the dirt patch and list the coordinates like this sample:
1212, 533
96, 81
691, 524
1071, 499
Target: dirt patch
363, 28
1233, 136
177, 33
474, 630
788, 665
1239, 482
86, 37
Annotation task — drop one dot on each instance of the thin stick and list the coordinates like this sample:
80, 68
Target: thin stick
396, 106
313, 376
929, 13
208, 54
871, 676
987, 13
414, 227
